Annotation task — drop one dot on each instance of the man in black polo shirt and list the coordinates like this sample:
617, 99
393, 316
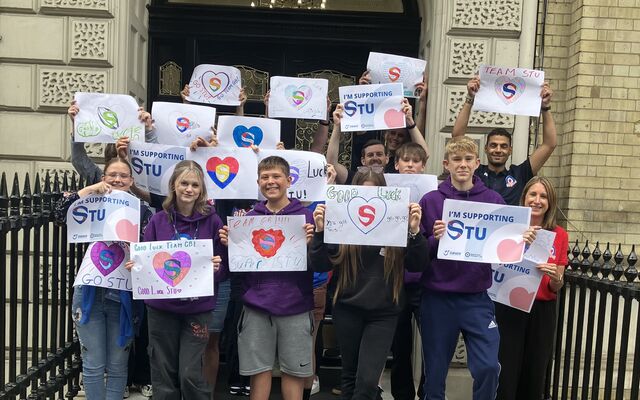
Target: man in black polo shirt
509, 182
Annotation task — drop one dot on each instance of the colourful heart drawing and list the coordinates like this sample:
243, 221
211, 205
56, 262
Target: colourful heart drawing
298, 96
394, 118
510, 251
509, 89
184, 124
215, 83
172, 268
222, 172
267, 243
520, 298
127, 231
366, 215
106, 258
245, 137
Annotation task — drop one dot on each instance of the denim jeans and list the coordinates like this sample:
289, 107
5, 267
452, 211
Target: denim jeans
99, 346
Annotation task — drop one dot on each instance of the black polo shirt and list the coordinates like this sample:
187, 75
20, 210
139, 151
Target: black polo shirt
509, 183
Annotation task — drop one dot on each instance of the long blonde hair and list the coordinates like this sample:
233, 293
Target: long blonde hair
183, 168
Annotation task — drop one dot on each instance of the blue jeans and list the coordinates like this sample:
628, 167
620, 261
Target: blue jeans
99, 346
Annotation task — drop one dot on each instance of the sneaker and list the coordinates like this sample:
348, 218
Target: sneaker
336, 391
315, 388
236, 390
246, 391
126, 392
146, 390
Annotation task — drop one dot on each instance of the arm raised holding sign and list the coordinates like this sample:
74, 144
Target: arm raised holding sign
333, 149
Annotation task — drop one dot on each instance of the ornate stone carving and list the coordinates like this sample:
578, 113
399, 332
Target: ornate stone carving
170, 79
89, 39
95, 150
465, 57
482, 14
102, 5
455, 100
57, 86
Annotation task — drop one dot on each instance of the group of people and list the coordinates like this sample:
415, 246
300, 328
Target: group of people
275, 315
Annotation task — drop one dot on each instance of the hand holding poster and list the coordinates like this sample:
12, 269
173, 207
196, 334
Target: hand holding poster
180, 124
509, 90
103, 266
372, 107
173, 269
153, 165
246, 131
483, 232
267, 243
303, 98
215, 84
112, 216
307, 170
418, 184
231, 173
389, 68
104, 118
366, 215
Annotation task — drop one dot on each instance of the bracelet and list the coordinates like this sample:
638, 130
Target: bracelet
545, 108
469, 99
410, 127
411, 235
324, 123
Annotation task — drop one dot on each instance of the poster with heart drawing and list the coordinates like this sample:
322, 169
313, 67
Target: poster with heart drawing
390, 68
516, 285
372, 107
483, 232
267, 243
303, 98
307, 171
103, 266
172, 269
104, 118
509, 90
366, 215
246, 131
180, 124
153, 164
215, 84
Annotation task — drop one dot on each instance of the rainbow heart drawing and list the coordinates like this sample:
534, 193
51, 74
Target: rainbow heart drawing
509, 89
106, 258
172, 268
245, 137
267, 242
298, 96
365, 214
215, 83
222, 171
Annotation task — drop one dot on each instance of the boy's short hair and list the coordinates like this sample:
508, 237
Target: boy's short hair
460, 144
411, 149
273, 162
499, 132
372, 142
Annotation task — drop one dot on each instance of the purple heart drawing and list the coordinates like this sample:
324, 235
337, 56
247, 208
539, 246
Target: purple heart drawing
106, 258
172, 268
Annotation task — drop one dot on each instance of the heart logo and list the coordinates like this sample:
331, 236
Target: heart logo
222, 172
520, 298
106, 258
509, 251
127, 231
215, 83
509, 89
394, 118
366, 215
298, 96
267, 242
172, 268
394, 73
245, 137
183, 124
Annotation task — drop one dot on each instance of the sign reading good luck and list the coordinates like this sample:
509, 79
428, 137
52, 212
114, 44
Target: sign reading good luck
247, 131
389, 68
418, 184
179, 124
215, 84
153, 165
231, 173
103, 266
173, 269
366, 215
372, 107
307, 170
304, 98
509, 90
112, 216
483, 232
104, 118
267, 243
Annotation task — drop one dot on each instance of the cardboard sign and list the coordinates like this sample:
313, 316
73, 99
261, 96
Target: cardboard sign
389, 68
366, 215
215, 84
303, 98
267, 243
103, 266
113, 216
231, 173
180, 124
246, 131
153, 165
418, 184
372, 107
307, 170
104, 118
509, 90
172, 269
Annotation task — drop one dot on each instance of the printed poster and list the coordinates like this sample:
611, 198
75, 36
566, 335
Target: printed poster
215, 84
104, 118
509, 90
103, 266
418, 184
230, 173
153, 165
389, 68
246, 131
372, 107
307, 170
180, 124
303, 98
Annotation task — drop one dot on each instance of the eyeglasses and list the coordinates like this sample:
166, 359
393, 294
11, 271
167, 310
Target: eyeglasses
376, 169
114, 175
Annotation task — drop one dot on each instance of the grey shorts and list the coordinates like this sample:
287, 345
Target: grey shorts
260, 336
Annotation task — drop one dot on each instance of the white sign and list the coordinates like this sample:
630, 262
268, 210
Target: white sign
231, 173
104, 118
509, 90
103, 266
418, 184
180, 124
112, 216
303, 98
246, 131
372, 107
267, 243
389, 68
153, 165
307, 170
366, 215
215, 84
173, 269
483, 232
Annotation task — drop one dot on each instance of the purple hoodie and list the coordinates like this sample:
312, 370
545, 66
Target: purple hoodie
197, 226
447, 275
280, 293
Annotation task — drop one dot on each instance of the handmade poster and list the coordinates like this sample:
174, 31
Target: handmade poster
307, 170
104, 118
180, 124
267, 243
366, 215
509, 90
516, 285
483, 232
304, 98
246, 131
112, 216
103, 266
215, 84
153, 165
173, 269
389, 68
372, 107
418, 184
231, 173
